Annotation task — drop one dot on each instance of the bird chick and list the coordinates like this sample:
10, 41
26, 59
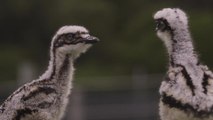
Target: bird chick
46, 98
187, 90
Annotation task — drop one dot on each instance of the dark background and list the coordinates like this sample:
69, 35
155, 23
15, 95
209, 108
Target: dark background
123, 71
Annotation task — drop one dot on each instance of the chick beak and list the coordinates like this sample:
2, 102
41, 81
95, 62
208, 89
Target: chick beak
91, 40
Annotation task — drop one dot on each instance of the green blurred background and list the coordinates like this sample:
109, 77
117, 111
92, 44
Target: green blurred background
128, 47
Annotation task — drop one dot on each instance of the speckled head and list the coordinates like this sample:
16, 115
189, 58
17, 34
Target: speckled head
170, 19
72, 39
171, 26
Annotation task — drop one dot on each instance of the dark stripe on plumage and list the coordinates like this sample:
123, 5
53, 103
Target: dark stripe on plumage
188, 79
173, 103
185, 75
172, 61
44, 105
39, 90
65, 65
185, 107
2, 110
68, 39
54, 64
23, 112
205, 83
167, 79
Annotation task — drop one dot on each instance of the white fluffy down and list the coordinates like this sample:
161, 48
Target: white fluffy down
71, 29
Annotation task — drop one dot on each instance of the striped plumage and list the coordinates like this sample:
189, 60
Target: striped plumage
187, 91
46, 98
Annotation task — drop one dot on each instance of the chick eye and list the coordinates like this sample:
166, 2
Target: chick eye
161, 25
70, 36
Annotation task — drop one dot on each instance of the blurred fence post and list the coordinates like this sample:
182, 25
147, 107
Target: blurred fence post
26, 72
139, 79
75, 109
